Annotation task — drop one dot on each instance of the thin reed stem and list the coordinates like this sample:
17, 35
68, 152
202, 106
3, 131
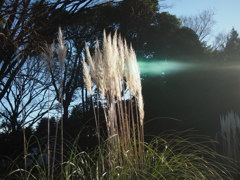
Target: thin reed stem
61, 101
54, 150
48, 138
25, 153
96, 122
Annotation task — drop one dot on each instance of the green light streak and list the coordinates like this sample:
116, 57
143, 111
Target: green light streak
156, 67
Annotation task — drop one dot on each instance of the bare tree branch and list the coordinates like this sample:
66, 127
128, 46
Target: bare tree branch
26, 96
201, 24
25, 25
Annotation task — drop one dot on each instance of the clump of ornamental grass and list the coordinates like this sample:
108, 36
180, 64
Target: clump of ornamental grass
229, 135
113, 70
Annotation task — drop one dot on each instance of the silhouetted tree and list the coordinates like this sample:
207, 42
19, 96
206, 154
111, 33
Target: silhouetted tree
25, 24
42, 128
25, 101
220, 41
186, 45
135, 17
158, 35
12, 143
232, 49
81, 126
201, 24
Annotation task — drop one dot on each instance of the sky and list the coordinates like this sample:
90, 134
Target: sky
227, 12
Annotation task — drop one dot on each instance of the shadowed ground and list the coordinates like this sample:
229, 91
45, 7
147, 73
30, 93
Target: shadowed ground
196, 95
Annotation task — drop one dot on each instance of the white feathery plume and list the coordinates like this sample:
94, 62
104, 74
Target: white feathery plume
133, 73
114, 59
97, 53
134, 80
126, 51
48, 54
90, 62
121, 56
87, 77
129, 71
115, 66
141, 108
99, 72
62, 49
120, 65
109, 66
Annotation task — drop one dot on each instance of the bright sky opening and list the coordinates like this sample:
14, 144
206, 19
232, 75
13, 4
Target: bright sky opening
227, 13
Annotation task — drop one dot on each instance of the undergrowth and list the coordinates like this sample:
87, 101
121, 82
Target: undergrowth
171, 156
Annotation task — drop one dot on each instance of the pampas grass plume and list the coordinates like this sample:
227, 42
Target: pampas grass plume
48, 55
87, 77
109, 69
62, 49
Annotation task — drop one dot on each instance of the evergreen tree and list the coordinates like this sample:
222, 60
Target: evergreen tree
232, 49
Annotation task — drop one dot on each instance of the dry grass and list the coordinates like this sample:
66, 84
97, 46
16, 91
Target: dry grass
229, 135
114, 71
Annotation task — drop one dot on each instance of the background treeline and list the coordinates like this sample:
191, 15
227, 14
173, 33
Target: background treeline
29, 86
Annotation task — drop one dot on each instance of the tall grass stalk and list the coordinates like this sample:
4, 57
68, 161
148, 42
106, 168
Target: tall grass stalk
48, 138
62, 51
23, 131
48, 55
114, 71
